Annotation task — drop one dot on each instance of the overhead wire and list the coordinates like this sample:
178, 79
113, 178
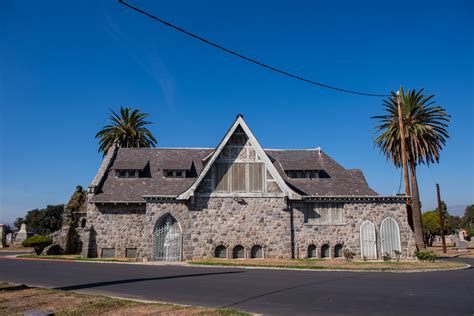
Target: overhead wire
234, 53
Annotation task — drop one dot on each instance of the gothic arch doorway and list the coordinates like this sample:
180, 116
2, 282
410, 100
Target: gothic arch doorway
167, 239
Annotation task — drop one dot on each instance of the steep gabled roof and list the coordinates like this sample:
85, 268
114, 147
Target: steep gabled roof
239, 121
107, 188
338, 181
133, 189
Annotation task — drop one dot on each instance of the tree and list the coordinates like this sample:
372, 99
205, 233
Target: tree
468, 219
425, 127
18, 222
126, 130
431, 227
453, 224
75, 202
44, 221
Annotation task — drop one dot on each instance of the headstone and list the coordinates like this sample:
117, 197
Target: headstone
9, 239
461, 245
21, 235
3, 229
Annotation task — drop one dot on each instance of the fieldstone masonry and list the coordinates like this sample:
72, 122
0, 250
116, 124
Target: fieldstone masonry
272, 218
211, 222
348, 234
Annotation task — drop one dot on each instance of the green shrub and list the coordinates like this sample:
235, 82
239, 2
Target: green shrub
386, 257
426, 256
349, 255
37, 242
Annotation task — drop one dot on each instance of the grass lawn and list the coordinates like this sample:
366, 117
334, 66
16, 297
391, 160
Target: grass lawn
332, 264
15, 300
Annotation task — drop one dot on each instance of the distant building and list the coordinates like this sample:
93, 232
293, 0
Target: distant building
238, 200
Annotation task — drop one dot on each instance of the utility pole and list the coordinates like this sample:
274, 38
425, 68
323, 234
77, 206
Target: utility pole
404, 148
441, 218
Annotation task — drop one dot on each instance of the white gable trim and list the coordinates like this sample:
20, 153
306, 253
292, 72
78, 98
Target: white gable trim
260, 152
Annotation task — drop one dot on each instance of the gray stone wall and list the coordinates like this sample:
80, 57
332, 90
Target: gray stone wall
115, 226
212, 222
347, 234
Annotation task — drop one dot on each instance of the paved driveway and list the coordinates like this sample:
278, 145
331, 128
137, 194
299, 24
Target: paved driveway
262, 291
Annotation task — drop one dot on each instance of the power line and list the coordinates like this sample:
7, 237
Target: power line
248, 58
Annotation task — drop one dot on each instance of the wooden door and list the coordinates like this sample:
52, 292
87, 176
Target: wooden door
390, 237
368, 242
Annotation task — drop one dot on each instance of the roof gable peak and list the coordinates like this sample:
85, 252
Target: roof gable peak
239, 123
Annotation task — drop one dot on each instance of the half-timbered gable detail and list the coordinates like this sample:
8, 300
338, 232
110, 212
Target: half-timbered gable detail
238, 200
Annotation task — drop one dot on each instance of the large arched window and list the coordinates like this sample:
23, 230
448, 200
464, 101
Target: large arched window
238, 252
312, 251
256, 252
325, 251
220, 252
338, 251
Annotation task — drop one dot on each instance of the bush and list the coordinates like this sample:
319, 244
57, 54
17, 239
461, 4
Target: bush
37, 242
386, 257
426, 256
349, 255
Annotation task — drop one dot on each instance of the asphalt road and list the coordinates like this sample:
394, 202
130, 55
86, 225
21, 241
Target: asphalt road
261, 291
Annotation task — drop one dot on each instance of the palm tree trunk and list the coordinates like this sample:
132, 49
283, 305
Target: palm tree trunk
416, 208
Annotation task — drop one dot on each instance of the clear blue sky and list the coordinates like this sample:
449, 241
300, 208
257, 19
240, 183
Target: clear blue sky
64, 64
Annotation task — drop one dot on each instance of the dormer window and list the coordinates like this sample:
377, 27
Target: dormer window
127, 173
171, 173
304, 174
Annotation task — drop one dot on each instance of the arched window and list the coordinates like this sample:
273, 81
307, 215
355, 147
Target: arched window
238, 252
256, 252
312, 251
325, 251
220, 252
338, 251
83, 223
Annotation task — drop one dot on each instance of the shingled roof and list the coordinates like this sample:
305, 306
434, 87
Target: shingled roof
340, 181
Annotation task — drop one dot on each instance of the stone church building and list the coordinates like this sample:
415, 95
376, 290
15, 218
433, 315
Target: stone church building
238, 200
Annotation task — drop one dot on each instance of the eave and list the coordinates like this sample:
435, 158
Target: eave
365, 198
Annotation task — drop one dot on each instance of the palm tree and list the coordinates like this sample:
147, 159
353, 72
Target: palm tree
126, 130
425, 127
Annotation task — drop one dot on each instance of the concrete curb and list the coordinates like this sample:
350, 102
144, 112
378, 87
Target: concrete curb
186, 264
466, 266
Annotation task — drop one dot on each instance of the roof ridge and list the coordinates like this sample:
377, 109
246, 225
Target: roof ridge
294, 149
167, 148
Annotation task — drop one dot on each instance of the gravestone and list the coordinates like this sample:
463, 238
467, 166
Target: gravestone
21, 235
461, 242
3, 229
9, 239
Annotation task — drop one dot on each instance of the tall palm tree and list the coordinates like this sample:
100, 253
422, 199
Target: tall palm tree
425, 127
126, 130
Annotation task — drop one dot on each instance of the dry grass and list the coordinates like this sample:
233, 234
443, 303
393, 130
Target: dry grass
15, 249
15, 300
451, 252
332, 264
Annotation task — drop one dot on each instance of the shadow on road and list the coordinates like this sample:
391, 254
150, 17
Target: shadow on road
14, 288
288, 289
105, 283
